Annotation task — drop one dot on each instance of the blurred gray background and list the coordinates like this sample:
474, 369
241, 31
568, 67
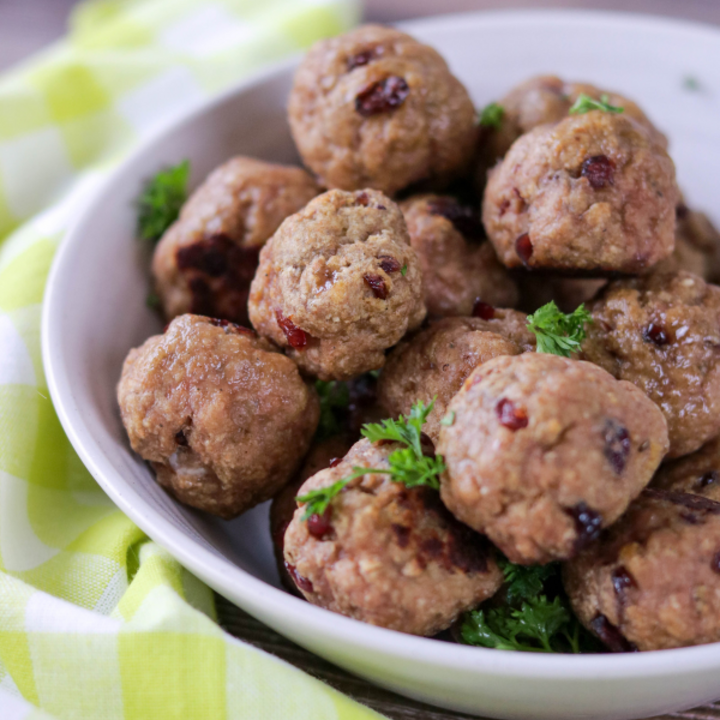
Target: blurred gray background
28, 25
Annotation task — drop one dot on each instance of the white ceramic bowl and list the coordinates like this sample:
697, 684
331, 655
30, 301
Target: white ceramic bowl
95, 312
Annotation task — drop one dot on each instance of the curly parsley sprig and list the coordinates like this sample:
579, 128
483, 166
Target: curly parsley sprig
585, 104
491, 116
161, 200
407, 465
557, 332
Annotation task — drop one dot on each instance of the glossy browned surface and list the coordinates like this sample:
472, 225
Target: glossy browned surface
655, 574
394, 556
375, 108
313, 272
662, 333
541, 476
224, 418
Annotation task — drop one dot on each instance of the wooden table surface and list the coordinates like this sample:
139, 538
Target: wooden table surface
28, 25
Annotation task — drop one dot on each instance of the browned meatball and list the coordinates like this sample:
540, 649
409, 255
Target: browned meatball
541, 100
592, 194
386, 554
436, 361
697, 246
662, 333
652, 581
206, 260
376, 108
338, 284
545, 451
222, 416
322, 454
459, 266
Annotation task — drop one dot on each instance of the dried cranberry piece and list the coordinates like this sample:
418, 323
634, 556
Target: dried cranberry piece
402, 534
232, 327
715, 564
180, 438
617, 444
319, 525
588, 524
622, 581
363, 199
610, 635
655, 333
362, 58
464, 219
708, 478
377, 284
297, 338
302, 582
599, 170
382, 96
483, 310
389, 264
335, 462
510, 415
681, 211
432, 547
524, 248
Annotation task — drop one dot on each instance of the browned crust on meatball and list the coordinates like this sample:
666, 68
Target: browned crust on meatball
435, 362
592, 194
206, 260
352, 138
544, 451
342, 272
459, 266
223, 417
539, 101
283, 506
655, 575
393, 556
662, 333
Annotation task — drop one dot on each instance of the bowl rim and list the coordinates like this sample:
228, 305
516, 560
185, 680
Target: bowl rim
220, 572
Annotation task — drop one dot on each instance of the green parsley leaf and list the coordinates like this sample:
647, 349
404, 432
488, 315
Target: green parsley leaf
524, 582
152, 301
449, 419
585, 104
317, 501
403, 270
491, 116
556, 332
161, 200
691, 83
334, 401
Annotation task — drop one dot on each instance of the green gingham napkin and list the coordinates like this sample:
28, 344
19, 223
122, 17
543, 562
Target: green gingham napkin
96, 621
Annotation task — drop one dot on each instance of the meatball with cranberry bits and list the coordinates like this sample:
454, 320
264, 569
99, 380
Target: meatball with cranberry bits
543, 452
222, 416
697, 245
338, 284
384, 553
591, 195
540, 101
662, 333
435, 362
206, 260
652, 581
459, 266
376, 108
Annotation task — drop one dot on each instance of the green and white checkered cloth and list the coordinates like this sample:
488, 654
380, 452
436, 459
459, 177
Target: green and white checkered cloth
96, 621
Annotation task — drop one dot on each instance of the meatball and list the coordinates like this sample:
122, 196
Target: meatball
652, 581
222, 416
459, 266
542, 100
697, 245
376, 108
387, 554
567, 293
592, 194
662, 333
545, 451
206, 260
338, 284
436, 361
322, 454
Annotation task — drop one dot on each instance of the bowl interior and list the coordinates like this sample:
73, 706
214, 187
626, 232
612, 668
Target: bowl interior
95, 310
